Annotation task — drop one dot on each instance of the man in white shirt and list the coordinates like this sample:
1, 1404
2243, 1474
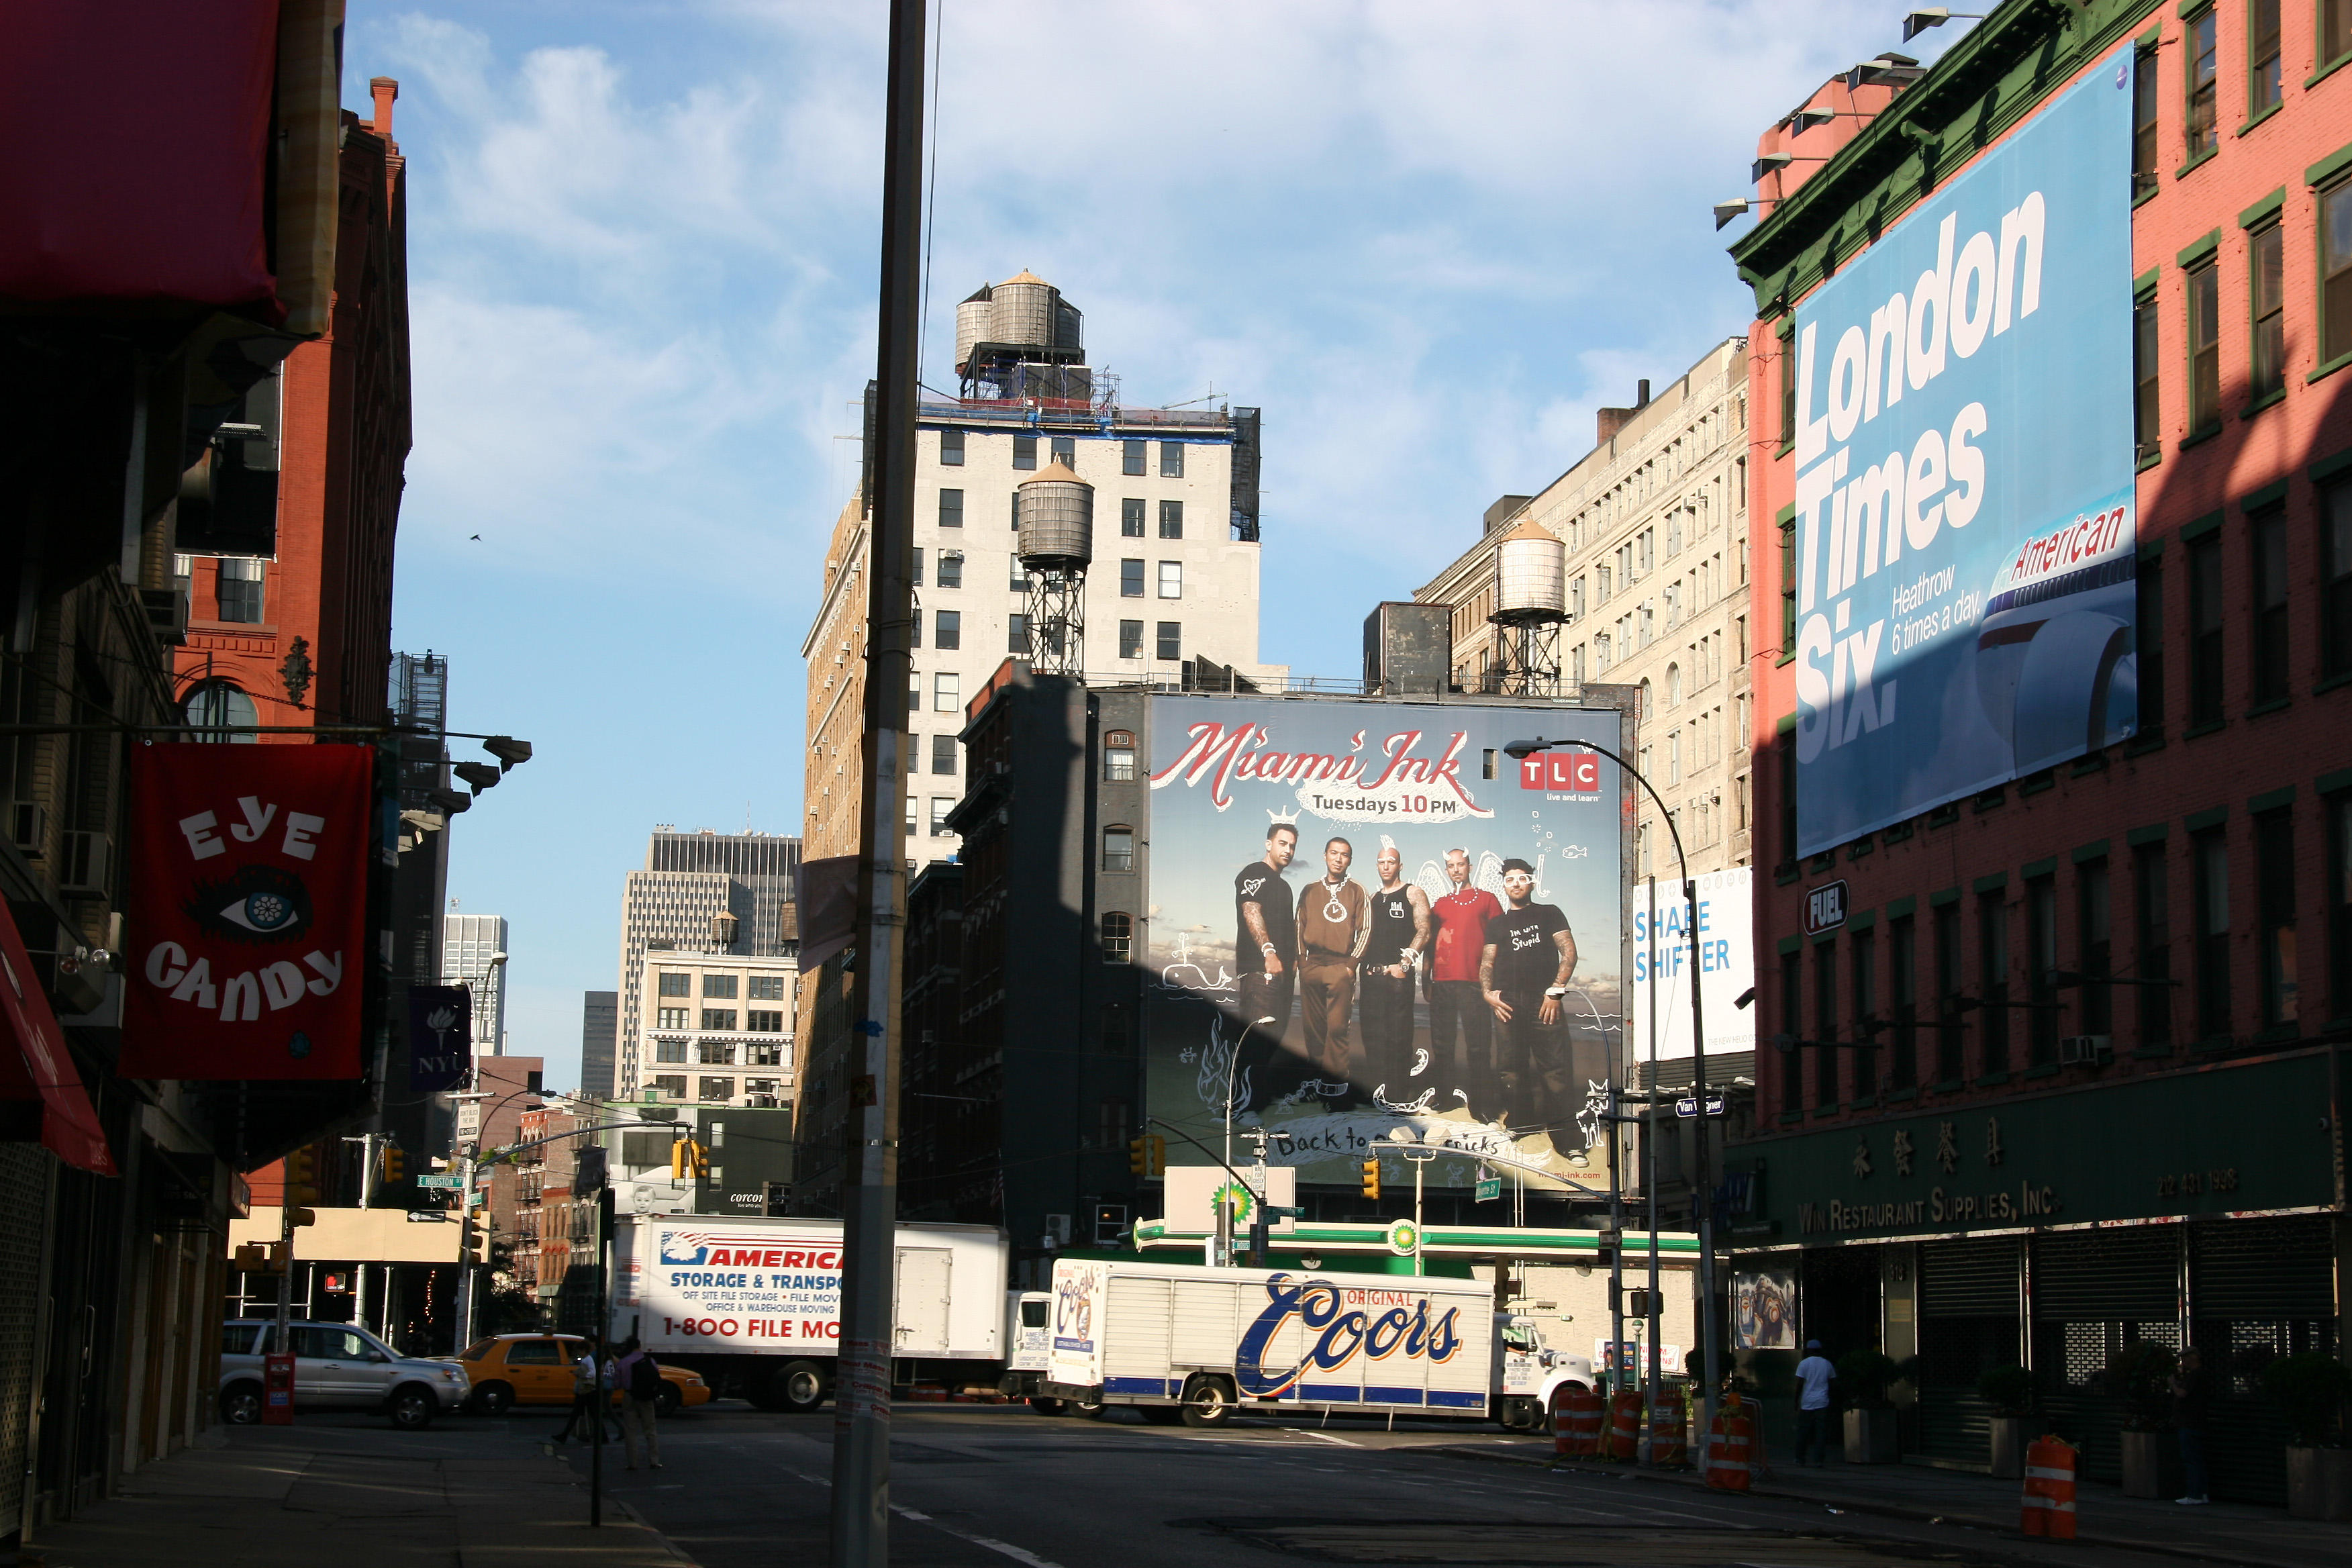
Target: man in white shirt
1814, 1375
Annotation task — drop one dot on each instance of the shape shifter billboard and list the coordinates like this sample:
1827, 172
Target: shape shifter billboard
1327, 883
1965, 493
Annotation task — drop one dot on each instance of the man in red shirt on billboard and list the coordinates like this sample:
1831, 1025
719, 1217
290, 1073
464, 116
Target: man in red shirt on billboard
1455, 1002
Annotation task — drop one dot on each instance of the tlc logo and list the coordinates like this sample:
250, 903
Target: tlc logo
1578, 773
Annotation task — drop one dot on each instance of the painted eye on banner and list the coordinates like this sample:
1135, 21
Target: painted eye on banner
259, 904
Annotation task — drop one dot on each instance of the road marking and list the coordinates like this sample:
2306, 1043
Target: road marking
1018, 1553
1327, 1437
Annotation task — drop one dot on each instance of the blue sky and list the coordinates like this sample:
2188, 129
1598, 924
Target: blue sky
1428, 241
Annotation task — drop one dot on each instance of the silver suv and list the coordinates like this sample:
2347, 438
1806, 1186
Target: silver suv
336, 1367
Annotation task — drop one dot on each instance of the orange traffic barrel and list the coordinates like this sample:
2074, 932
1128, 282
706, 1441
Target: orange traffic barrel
1575, 1422
1668, 1442
1730, 1457
1625, 1425
2049, 1506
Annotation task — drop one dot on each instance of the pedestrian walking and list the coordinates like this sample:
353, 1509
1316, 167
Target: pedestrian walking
1814, 1375
2193, 1392
592, 1381
639, 1377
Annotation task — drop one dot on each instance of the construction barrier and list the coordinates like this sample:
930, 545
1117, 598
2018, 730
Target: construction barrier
1624, 1426
1730, 1453
1575, 1422
2049, 1508
1668, 1442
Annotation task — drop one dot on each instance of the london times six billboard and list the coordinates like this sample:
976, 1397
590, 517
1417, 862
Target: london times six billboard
1376, 849
1965, 521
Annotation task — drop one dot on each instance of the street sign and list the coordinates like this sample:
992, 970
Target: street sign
1488, 1189
452, 1183
1686, 1106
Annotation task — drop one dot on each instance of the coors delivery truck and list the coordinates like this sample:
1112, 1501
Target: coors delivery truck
754, 1304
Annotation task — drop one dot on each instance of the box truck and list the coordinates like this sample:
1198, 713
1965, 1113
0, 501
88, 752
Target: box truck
754, 1304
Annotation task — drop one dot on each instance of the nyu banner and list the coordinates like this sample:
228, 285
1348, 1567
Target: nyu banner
1965, 520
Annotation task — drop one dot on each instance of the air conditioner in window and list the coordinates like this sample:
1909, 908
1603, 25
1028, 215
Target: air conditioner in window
167, 614
27, 825
84, 870
2086, 1050
1058, 1230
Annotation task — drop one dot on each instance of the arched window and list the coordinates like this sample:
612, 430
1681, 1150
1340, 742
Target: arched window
1674, 684
1117, 937
217, 705
1119, 848
1645, 709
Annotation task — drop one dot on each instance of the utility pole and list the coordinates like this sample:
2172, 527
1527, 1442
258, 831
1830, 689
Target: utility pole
1617, 1252
464, 1253
861, 1431
1650, 1188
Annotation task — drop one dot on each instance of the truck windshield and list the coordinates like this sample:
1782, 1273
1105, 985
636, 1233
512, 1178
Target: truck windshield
1032, 1314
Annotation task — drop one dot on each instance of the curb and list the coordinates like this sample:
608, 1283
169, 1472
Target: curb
624, 1506
1882, 1510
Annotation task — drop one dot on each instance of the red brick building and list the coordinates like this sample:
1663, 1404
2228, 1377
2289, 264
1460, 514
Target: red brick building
2057, 1083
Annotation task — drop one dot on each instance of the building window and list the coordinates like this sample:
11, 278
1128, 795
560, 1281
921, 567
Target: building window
2335, 574
1130, 516
1170, 640
952, 449
222, 708
1065, 451
2265, 281
1674, 758
2144, 136
943, 760
948, 629
1172, 459
1130, 579
236, 589
2263, 86
2203, 68
2204, 347
1018, 582
1172, 579
2209, 858
2267, 533
945, 689
1130, 639
2149, 640
2338, 808
950, 568
917, 578
915, 630
1119, 848
941, 806
674, 985
2335, 31
950, 509
1024, 451
1866, 1014
715, 1090
2205, 630
1131, 458
670, 1086
1948, 1036
2040, 968
1117, 937
719, 1018
767, 988
1789, 588
2095, 946
2148, 430
2152, 922
1119, 764
1992, 979
1792, 1030
715, 1053
2274, 907
672, 1050
1825, 1026
1903, 985
2335, 268
722, 986
1171, 519
1016, 633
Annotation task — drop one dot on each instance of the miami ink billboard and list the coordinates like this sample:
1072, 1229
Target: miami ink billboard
1367, 916
1965, 522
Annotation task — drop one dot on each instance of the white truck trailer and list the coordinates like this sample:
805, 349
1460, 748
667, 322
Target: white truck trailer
754, 1304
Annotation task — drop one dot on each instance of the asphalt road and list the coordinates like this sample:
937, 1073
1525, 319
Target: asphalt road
985, 1486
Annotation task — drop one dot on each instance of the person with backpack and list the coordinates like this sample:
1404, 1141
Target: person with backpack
640, 1381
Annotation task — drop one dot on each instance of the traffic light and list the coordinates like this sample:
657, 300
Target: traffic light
1372, 1178
477, 1246
301, 1216
701, 1156
689, 1158
1138, 1156
677, 1161
302, 1176
395, 1163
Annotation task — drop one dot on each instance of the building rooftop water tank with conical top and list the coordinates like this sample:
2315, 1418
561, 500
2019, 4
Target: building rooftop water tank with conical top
1023, 308
1531, 575
1058, 519
975, 318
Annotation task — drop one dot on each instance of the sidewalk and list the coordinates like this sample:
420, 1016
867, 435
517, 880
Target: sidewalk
2218, 1532
351, 1497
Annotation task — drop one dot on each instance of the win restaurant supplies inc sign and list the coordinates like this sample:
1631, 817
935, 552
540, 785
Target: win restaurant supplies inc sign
1965, 522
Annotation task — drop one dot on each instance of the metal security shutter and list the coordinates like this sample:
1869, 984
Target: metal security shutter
2263, 1268
1968, 1279
23, 1206
1967, 1310
2128, 1274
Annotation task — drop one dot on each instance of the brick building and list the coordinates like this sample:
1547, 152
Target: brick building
2057, 1084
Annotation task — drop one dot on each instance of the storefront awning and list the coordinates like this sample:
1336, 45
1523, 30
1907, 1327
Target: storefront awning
36, 1066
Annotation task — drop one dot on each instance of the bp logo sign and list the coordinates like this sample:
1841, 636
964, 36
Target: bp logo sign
1232, 1197
1404, 1238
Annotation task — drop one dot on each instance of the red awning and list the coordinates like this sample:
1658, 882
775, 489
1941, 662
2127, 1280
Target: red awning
34, 1064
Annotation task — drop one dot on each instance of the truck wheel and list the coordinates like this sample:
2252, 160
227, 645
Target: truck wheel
1209, 1402
800, 1387
1045, 1406
1084, 1408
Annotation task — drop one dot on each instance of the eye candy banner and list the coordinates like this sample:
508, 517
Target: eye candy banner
248, 944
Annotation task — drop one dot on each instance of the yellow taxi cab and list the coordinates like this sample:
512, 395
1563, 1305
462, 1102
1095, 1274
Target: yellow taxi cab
536, 1369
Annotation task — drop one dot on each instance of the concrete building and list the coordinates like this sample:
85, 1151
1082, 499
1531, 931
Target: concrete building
718, 1027
1654, 523
474, 955
746, 1153
700, 892
2063, 1055
541, 1245
600, 1037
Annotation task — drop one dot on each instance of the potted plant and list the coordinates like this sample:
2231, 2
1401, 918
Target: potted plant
1864, 1377
2010, 1391
2310, 1390
2141, 1377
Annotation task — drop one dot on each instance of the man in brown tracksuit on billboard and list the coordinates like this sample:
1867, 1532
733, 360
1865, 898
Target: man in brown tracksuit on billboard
1334, 924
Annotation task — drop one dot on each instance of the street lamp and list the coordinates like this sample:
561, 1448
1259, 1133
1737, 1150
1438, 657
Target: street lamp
1702, 1178
1420, 1154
